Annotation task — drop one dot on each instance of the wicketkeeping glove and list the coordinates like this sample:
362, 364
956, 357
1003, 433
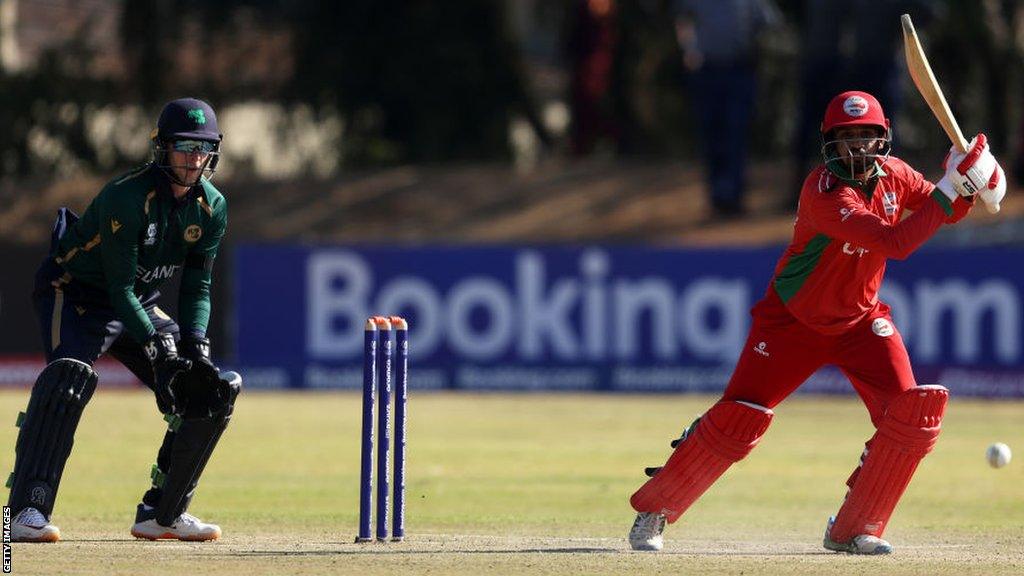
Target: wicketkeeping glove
198, 351
167, 366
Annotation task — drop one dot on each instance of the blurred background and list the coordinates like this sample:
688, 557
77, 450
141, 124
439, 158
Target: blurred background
566, 194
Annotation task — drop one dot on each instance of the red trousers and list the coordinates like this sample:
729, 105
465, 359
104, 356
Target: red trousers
781, 353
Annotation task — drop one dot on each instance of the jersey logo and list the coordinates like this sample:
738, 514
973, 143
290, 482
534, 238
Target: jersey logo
150, 235
197, 115
114, 225
889, 202
760, 349
158, 273
845, 213
825, 181
193, 233
882, 327
852, 250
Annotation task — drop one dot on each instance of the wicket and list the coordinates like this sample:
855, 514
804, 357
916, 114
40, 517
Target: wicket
377, 385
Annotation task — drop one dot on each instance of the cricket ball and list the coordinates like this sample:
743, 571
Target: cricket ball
998, 455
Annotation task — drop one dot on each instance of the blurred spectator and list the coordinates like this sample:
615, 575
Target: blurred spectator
719, 45
872, 32
593, 38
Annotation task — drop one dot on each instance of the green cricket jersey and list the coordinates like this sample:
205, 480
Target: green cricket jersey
134, 235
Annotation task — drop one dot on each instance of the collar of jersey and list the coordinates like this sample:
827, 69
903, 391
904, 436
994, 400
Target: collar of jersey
868, 188
163, 187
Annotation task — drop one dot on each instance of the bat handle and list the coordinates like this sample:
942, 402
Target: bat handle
992, 208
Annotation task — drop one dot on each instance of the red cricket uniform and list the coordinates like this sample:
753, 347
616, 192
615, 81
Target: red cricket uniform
822, 305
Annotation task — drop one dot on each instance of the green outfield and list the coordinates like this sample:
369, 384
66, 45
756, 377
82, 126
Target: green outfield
532, 483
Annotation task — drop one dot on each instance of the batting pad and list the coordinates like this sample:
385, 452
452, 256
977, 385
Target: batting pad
906, 434
726, 434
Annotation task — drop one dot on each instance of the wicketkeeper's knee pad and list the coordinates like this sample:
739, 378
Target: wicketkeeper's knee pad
906, 434
724, 435
47, 433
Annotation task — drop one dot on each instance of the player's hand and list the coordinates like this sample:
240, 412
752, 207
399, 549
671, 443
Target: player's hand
992, 195
968, 173
167, 366
198, 351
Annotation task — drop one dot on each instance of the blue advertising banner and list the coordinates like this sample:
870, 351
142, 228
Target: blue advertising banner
593, 317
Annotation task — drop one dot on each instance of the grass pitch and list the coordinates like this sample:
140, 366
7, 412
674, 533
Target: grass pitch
513, 484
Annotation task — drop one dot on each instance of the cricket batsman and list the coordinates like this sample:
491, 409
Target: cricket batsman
822, 307
96, 293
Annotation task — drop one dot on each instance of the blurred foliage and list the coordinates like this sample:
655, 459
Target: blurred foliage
418, 81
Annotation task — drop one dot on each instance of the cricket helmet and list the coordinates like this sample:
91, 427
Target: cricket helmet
851, 109
186, 120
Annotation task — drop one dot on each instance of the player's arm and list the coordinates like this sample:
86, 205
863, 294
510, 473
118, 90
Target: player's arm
194, 296
197, 275
120, 224
919, 190
839, 215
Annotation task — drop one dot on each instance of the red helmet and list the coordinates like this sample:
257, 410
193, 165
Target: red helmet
854, 108
855, 160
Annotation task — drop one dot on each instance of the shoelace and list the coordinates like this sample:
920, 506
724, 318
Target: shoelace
187, 518
650, 524
31, 517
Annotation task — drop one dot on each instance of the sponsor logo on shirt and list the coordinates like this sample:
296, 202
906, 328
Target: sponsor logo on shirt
882, 327
158, 273
854, 250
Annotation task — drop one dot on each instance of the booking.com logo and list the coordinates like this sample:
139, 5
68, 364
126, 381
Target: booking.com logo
592, 314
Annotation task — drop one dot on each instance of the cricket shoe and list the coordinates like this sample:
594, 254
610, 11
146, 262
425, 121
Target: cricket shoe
646, 532
186, 527
31, 526
863, 544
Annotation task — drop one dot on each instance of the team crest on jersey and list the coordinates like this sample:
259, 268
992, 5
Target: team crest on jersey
882, 327
889, 202
193, 233
150, 235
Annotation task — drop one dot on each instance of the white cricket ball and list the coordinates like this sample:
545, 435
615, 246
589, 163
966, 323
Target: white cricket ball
998, 455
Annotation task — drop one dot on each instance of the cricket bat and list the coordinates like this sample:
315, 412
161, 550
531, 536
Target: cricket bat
924, 79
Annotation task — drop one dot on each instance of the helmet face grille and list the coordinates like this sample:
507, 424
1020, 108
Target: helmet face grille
162, 160
856, 164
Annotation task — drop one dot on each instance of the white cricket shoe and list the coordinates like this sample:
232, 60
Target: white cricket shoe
646, 531
863, 544
186, 527
31, 526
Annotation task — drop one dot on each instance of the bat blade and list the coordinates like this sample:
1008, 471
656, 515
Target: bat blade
928, 87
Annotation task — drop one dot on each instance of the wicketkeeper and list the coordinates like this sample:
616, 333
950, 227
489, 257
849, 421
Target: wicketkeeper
822, 307
96, 293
